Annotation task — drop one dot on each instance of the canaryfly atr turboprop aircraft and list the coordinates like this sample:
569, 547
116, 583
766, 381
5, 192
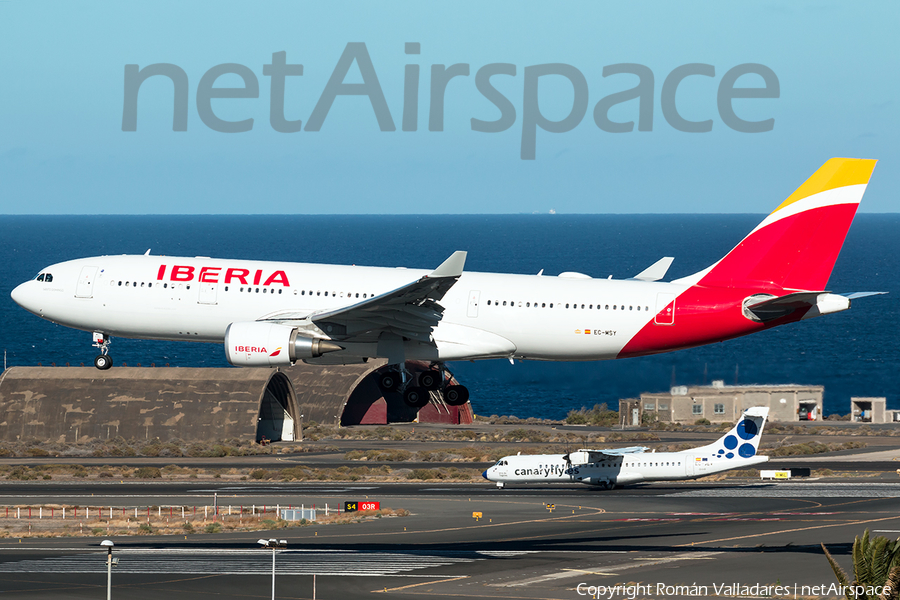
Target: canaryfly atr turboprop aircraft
273, 314
609, 468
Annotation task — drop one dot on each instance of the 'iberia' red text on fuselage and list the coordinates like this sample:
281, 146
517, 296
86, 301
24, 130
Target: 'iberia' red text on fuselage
221, 275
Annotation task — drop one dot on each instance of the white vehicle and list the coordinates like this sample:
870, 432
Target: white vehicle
609, 468
273, 313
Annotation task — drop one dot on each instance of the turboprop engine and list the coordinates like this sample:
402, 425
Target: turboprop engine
258, 344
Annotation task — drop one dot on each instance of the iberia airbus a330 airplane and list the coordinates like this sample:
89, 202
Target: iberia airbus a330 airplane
620, 466
273, 314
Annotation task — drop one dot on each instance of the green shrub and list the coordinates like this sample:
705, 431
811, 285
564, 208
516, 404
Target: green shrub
424, 474
259, 474
213, 528
148, 473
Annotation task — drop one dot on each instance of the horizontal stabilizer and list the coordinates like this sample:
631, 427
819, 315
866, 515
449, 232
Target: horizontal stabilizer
656, 271
856, 295
762, 309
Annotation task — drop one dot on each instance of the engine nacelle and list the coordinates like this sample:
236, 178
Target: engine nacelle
259, 344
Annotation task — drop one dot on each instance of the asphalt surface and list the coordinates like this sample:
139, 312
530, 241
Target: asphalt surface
666, 534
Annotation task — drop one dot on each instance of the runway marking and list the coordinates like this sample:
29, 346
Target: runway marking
753, 535
614, 570
412, 585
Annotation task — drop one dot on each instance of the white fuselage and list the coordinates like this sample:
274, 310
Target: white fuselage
620, 470
487, 315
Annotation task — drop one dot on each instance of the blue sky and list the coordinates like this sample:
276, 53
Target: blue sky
62, 148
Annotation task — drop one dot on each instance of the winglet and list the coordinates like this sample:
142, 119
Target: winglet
452, 267
656, 271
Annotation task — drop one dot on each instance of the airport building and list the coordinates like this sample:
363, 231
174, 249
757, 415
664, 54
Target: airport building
720, 403
872, 410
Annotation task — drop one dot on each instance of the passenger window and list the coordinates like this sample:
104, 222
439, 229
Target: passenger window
528, 305
489, 302
582, 306
543, 305
120, 284
567, 305
127, 284
150, 285
279, 291
504, 303
165, 285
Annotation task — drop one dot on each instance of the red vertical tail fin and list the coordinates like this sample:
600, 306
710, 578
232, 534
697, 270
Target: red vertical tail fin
797, 245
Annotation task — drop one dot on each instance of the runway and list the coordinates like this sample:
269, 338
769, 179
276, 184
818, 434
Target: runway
673, 534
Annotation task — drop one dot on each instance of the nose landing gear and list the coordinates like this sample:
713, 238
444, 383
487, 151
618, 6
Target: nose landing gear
103, 361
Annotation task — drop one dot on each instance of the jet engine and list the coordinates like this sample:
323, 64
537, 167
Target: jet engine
259, 344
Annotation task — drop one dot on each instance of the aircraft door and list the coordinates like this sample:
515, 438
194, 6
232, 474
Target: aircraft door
85, 285
665, 309
208, 293
689, 466
474, 298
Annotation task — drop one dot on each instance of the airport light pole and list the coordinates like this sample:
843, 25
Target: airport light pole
110, 561
274, 545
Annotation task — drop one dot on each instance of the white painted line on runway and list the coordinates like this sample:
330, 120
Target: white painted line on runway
611, 570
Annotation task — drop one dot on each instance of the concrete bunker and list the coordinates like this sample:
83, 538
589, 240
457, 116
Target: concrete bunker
82, 404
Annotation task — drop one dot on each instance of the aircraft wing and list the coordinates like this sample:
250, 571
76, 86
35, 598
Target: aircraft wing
411, 311
619, 451
585, 455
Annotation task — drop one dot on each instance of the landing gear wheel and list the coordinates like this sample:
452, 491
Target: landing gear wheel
103, 362
456, 395
430, 380
416, 397
390, 381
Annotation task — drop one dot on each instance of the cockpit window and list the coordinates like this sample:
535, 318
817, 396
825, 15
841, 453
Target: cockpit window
40, 277
48, 277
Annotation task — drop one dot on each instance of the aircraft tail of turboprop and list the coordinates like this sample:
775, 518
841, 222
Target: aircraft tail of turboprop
796, 246
742, 441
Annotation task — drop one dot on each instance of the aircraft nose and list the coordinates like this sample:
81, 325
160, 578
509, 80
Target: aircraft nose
18, 294
23, 295
484, 474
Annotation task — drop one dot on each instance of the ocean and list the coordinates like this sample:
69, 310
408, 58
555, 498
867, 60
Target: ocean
854, 353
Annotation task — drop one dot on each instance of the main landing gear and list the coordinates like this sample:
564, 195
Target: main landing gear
418, 396
103, 360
